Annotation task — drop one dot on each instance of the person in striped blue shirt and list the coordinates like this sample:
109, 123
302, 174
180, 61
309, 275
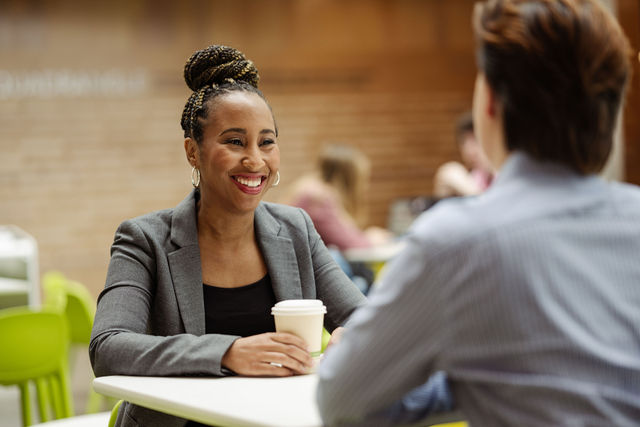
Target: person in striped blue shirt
528, 295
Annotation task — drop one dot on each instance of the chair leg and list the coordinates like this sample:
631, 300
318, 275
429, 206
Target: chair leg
54, 393
43, 398
66, 399
25, 399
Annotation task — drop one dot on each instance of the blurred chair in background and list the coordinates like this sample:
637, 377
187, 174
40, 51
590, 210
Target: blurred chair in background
114, 413
19, 272
34, 349
73, 300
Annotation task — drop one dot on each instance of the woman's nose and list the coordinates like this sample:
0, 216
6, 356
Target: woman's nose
253, 159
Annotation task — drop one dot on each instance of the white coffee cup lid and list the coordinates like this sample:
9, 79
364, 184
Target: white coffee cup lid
299, 306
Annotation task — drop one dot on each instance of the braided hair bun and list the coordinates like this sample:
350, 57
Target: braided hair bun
216, 65
212, 72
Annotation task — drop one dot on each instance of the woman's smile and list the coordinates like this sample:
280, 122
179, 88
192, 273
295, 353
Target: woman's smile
250, 184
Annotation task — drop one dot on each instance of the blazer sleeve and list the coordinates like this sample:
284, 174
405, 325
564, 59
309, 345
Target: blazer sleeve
338, 293
123, 340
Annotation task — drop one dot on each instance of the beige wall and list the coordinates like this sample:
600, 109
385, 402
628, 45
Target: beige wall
91, 95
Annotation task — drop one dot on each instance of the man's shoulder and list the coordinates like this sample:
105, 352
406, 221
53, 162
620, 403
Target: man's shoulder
451, 220
516, 209
626, 198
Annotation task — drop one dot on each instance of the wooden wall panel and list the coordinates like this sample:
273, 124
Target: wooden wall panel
405, 138
629, 16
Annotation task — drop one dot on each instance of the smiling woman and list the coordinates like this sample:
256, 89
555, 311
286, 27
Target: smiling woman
190, 289
237, 151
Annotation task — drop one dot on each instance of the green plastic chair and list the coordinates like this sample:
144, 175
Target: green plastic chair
114, 413
72, 299
326, 336
34, 349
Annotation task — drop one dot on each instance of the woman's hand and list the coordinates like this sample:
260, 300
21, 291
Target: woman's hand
277, 354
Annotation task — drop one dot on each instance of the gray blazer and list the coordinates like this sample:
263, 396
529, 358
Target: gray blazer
150, 318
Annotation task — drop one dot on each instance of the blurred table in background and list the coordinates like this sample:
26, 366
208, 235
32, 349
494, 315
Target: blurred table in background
19, 272
375, 257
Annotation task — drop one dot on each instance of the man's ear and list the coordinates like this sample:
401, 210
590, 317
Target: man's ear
492, 102
192, 152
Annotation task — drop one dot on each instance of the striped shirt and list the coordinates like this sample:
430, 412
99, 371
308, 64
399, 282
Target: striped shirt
528, 296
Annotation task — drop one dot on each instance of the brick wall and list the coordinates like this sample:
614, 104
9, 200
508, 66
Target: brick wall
91, 95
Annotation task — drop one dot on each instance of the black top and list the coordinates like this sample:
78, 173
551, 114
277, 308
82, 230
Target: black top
242, 311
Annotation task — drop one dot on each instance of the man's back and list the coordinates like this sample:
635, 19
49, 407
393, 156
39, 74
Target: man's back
527, 296
547, 317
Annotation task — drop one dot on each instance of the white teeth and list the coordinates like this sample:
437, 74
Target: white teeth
249, 182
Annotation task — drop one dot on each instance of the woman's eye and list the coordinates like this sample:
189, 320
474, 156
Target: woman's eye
267, 142
234, 141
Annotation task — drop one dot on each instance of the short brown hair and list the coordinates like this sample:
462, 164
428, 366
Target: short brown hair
560, 69
347, 169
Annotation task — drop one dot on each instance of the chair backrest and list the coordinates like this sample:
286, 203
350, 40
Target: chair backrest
34, 344
72, 299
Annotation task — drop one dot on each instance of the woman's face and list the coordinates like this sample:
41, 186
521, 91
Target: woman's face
238, 157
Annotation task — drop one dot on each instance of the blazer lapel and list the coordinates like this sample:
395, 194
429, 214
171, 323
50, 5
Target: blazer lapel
186, 271
279, 255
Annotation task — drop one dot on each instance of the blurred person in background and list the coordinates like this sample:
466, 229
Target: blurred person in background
473, 175
527, 296
335, 197
189, 290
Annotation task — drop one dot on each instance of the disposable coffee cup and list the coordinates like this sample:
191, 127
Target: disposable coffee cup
301, 317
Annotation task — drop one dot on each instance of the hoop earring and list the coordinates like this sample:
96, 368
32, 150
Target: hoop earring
195, 177
275, 184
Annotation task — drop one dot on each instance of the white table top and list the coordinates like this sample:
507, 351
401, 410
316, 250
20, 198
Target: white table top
229, 401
